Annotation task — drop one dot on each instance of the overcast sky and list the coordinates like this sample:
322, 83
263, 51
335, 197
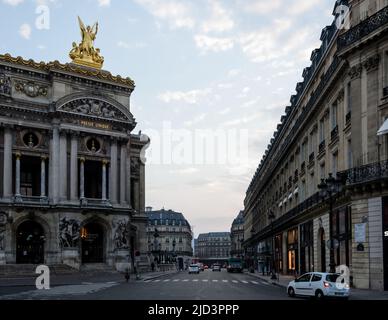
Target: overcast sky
224, 69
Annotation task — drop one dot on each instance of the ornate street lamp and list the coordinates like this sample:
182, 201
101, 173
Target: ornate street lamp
328, 188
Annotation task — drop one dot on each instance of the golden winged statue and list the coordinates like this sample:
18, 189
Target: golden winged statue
85, 54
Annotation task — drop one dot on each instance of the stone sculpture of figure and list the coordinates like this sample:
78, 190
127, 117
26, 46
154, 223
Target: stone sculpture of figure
120, 235
69, 233
5, 85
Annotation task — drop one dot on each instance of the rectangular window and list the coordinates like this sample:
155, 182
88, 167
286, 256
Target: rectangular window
349, 100
322, 171
321, 130
334, 116
349, 154
335, 164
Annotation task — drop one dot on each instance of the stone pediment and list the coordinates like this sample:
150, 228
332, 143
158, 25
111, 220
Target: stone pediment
97, 107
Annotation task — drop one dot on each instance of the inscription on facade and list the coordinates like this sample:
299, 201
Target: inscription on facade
96, 125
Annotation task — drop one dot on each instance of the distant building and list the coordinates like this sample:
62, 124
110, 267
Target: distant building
237, 236
174, 235
195, 247
213, 247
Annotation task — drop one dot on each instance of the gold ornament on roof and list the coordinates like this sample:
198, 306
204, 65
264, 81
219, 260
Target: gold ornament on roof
85, 54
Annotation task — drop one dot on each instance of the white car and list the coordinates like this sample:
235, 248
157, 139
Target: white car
194, 268
319, 285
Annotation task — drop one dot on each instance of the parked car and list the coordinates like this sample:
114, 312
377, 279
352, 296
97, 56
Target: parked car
319, 285
194, 268
216, 267
201, 266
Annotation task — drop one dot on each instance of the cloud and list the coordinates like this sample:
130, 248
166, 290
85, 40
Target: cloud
302, 6
13, 2
190, 97
185, 171
104, 3
206, 43
25, 31
261, 6
176, 13
219, 21
196, 120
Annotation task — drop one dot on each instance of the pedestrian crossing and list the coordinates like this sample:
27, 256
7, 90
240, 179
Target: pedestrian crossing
223, 281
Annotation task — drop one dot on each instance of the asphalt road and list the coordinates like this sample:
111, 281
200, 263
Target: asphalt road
207, 285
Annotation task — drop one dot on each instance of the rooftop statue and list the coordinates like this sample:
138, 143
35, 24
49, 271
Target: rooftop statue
85, 54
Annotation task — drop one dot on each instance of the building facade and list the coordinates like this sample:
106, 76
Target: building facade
333, 127
237, 236
72, 185
169, 235
214, 247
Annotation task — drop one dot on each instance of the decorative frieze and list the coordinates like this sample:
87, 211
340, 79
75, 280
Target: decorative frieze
355, 71
31, 89
5, 85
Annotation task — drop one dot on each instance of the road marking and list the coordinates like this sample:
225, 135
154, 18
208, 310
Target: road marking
225, 281
254, 282
215, 280
176, 280
157, 280
195, 280
186, 280
265, 283
205, 280
167, 280
234, 281
245, 282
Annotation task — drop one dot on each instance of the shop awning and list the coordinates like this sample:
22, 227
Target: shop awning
384, 129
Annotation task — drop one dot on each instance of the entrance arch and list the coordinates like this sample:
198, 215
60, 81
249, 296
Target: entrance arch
322, 249
92, 243
30, 239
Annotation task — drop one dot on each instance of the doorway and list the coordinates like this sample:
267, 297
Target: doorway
30, 240
92, 236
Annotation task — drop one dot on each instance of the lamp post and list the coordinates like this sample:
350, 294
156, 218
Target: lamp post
271, 217
328, 188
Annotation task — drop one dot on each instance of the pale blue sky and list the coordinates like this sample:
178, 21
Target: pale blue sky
198, 64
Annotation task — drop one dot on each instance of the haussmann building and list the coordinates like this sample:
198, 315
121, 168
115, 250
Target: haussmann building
72, 185
319, 197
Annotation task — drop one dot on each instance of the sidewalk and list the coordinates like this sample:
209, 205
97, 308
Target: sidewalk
80, 278
356, 294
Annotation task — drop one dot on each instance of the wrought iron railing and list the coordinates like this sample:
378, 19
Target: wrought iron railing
367, 173
322, 146
311, 158
363, 29
348, 118
95, 203
385, 91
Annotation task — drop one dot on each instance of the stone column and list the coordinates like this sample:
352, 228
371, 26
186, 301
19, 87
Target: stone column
7, 165
142, 187
17, 176
43, 177
128, 181
113, 172
74, 168
63, 177
82, 178
104, 163
54, 165
123, 173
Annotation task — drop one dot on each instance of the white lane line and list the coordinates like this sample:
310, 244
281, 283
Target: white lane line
186, 280
167, 280
195, 280
245, 282
234, 281
176, 280
225, 281
265, 283
205, 280
254, 282
215, 280
157, 280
